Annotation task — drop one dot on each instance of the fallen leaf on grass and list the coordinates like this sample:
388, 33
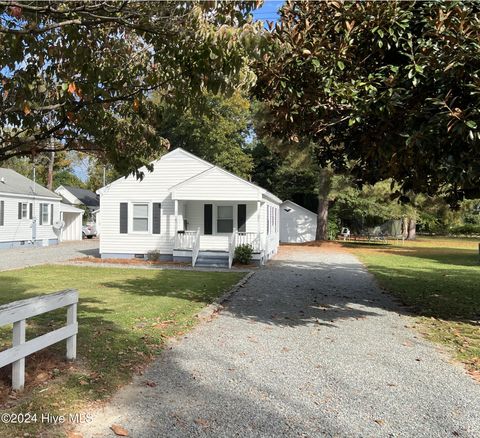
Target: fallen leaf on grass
71, 434
119, 430
150, 383
202, 422
380, 422
41, 377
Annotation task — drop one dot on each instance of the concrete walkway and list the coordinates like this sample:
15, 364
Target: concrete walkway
30, 256
310, 347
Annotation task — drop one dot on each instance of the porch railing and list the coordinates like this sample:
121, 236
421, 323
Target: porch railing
185, 239
196, 246
252, 239
231, 248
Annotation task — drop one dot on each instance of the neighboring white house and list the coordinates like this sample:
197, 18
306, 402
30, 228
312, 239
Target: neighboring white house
29, 213
79, 198
297, 224
188, 210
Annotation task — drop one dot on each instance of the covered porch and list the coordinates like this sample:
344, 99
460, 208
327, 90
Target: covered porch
205, 228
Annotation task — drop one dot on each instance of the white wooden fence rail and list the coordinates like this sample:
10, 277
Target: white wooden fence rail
18, 311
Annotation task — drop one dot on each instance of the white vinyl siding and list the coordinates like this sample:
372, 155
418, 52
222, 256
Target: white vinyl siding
218, 188
216, 184
15, 230
170, 170
297, 224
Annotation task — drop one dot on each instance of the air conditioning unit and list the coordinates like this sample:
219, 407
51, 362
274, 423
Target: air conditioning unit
58, 225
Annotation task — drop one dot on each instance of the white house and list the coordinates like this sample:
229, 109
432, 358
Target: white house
29, 213
297, 224
79, 198
188, 210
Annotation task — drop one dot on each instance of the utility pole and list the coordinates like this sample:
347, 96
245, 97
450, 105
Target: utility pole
50, 165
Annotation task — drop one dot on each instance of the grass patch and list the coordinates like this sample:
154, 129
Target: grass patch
440, 279
124, 316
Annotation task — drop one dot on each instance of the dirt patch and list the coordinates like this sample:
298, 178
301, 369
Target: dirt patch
135, 262
40, 368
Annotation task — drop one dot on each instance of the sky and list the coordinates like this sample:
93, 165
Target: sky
268, 11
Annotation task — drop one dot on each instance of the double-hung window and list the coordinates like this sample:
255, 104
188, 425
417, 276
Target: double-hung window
225, 219
140, 217
44, 214
24, 210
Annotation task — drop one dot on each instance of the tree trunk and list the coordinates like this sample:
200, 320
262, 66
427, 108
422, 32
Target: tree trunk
412, 229
405, 227
324, 188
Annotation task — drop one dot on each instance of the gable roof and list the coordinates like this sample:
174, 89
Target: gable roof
13, 183
306, 210
213, 169
181, 151
86, 197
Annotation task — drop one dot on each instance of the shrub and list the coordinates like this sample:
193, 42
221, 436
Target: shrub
153, 256
244, 253
466, 229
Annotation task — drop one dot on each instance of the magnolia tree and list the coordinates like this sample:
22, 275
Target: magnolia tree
383, 89
79, 75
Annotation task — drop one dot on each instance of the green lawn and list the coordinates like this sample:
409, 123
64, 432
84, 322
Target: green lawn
440, 280
124, 316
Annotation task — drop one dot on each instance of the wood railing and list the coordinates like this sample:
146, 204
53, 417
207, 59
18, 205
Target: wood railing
17, 313
252, 239
185, 239
196, 246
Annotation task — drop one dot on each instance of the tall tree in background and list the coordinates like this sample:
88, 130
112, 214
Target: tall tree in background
385, 89
216, 128
83, 72
61, 169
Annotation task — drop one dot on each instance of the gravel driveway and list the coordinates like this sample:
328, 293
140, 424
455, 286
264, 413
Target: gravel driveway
310, 347
22, 257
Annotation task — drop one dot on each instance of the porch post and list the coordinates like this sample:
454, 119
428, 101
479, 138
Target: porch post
259, 227
176, 217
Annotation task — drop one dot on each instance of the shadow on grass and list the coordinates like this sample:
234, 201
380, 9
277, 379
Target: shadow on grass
201, 287
106, 351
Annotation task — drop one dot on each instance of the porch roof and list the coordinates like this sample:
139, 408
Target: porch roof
216, 184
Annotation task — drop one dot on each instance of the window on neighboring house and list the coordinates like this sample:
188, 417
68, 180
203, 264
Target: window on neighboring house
22, 210
44, 214
140, 217
225, 219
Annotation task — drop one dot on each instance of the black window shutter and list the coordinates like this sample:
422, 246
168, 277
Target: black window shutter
242, 217
41, 215
51, 214
31, 210
156, 217
19, 210
207, 218
123, 217
2, 212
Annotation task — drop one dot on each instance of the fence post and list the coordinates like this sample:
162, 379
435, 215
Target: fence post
18, 367
72, 340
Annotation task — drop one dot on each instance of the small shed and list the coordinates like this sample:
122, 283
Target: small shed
297, 224
72, 222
